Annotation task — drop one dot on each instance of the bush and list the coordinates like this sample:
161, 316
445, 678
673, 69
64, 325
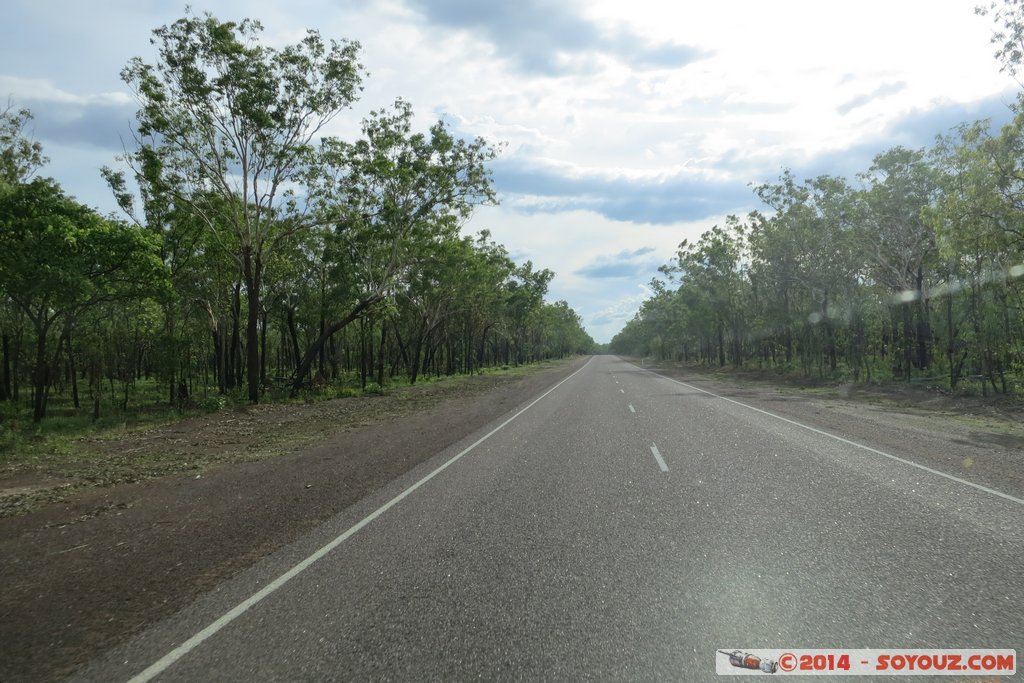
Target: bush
212, 404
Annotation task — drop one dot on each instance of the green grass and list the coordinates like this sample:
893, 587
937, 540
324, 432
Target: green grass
20, 437
60, 432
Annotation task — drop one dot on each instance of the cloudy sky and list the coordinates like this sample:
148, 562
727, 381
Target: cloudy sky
630, 126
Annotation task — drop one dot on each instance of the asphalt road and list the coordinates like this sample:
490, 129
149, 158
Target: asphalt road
622, 527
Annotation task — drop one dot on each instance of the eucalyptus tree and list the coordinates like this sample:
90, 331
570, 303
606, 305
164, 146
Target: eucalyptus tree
780, 261
662, 320
569, 335
629, 341
389, 195
20, 158
805, 262
20, 155
981, 246
228, 117
1004, 157
899, 245
59, 258
558, 332
192, 256
714, 288
484, 296
525, 294
436, 283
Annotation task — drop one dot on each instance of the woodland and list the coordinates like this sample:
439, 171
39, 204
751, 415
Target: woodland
256, 258
912, 271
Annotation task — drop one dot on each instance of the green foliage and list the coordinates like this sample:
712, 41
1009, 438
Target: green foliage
225, 128
257, 255
917, 275
20, 156
394, 197
58, 259
212, 403
57, 256
1008, 37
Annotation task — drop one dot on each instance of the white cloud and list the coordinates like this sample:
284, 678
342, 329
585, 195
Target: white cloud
32, 90
570, 242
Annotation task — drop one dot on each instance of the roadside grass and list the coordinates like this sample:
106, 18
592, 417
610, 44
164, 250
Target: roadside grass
49, 461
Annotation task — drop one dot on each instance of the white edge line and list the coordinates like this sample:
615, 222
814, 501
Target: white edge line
177, 653
919, 466
657, 456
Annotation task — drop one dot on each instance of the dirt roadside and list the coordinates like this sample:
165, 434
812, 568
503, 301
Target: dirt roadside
80, 575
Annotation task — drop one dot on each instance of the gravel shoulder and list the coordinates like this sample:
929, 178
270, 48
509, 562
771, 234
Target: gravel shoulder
87, 567
981, 441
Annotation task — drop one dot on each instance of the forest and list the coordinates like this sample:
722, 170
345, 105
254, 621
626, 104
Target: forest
911, 271
255, 257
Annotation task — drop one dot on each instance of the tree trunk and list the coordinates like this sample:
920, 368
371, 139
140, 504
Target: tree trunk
5, 377
480, 358
263, 348
417, 354
923, 331
402, 352
314, 349
320, 356
954, 371
294, 335
94, 390
216, 328
332, 357
40, 375
73, 371
233, 343
721, 345
908, 341
19, 338
252, 269
380, 353
363, 353
220, 343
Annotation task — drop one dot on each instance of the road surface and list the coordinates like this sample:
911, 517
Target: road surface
621, 526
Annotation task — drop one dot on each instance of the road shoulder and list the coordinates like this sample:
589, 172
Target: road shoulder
983, 447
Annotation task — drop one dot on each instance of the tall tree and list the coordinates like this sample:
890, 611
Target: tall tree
229, 117
20, 156
715, 285
58, 258
390, 194
899, 244
804, 261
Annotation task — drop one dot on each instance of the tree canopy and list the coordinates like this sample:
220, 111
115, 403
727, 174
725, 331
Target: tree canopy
915, 273
911, 270
259, 253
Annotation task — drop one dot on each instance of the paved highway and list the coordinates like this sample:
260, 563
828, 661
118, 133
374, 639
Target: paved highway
623, 526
